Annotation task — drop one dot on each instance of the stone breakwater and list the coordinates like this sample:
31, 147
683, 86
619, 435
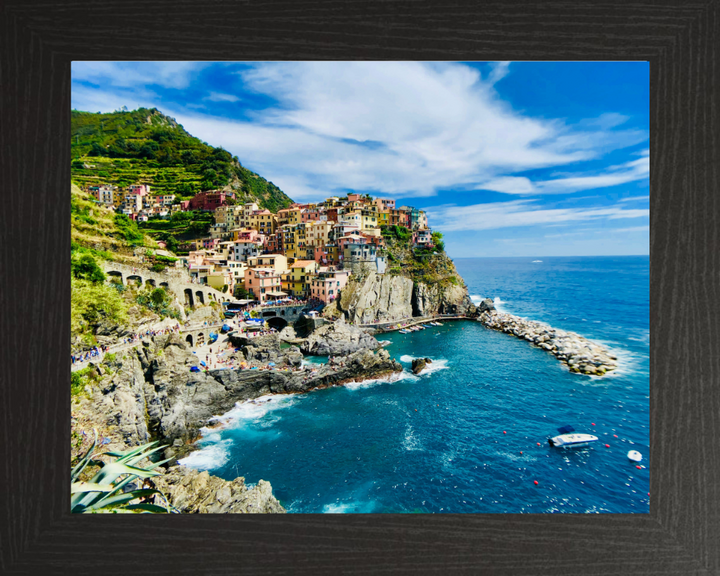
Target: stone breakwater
581, 355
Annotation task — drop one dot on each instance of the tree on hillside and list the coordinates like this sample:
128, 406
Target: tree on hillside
85, 268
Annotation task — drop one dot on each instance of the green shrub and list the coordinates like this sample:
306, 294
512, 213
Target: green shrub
128, 229
85, 268
92, 302
157, 267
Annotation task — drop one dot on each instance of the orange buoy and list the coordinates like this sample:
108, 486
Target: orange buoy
415, 409
593, 423
538, 443
638, 467
607, 445
536, 482
614, 435
504, 432
520, 452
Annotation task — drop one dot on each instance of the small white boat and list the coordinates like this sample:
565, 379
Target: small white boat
403, 331
536, 261
634, 455
568, 440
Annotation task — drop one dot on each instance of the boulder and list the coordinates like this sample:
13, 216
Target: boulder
419, 364
194, 492
287, 333
486, 305
204, 314
338, 338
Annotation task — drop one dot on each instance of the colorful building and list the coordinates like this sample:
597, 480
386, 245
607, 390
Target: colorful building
326, 284
298, 281
263, 283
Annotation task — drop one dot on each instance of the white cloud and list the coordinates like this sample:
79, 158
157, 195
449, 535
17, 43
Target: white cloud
498, 72
138, 74
395, 128
218, 97
520, 213
633, 229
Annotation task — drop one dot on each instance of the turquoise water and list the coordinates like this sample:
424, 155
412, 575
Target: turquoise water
464, 437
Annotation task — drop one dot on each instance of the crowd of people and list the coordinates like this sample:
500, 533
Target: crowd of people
97, 351
86, 355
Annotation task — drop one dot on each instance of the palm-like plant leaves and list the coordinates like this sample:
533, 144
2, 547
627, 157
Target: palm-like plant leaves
102, 492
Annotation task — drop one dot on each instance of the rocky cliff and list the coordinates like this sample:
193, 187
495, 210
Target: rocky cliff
151, 393
425, 289
338, 338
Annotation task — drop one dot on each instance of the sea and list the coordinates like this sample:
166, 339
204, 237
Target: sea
469, 435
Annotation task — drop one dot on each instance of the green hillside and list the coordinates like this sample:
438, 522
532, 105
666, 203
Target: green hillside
144, 146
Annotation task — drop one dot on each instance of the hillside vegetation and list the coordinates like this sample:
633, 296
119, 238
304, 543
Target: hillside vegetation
427, 265
146, 147
100, 231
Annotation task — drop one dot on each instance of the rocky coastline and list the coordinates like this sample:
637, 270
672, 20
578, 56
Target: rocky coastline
577, 352
153, 393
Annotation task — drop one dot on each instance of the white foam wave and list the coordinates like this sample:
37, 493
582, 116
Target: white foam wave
406, 358
208, 457
627, 362
348, 507
255, 410
410, 442
476, 299
437, 364
499, 304
395, 377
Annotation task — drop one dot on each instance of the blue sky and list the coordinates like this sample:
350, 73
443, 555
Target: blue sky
507, 158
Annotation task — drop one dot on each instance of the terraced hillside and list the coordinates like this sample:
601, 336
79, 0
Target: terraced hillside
98, 230
145, 146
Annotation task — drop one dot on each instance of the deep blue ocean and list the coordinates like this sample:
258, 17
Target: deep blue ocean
464, 437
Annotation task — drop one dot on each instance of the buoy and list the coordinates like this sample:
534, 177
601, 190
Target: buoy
614, 435
638, 467
415, 409
536, 482
538, 443
607, 445
593, 423
504, 432
520, 452
634, 455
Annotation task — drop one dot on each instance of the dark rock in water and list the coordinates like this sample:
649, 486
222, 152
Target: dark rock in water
338, 338
486, 305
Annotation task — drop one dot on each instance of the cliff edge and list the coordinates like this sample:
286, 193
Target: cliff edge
416, 283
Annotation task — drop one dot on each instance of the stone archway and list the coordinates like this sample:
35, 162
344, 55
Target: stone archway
135, 279
200, 296
200, 338
115, 276
189, 297
150, 282
189, 339
277, 322
165, 285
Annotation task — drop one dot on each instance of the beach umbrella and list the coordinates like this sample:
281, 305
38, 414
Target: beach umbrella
271, 363
203, 364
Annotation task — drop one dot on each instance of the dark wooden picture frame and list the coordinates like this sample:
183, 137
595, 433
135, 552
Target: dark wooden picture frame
680, 39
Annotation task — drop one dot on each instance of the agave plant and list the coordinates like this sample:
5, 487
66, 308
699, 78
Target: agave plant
103, 493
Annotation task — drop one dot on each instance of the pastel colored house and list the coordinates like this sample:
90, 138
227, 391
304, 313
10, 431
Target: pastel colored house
299, 280
263, 283
326, 284
422, 238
